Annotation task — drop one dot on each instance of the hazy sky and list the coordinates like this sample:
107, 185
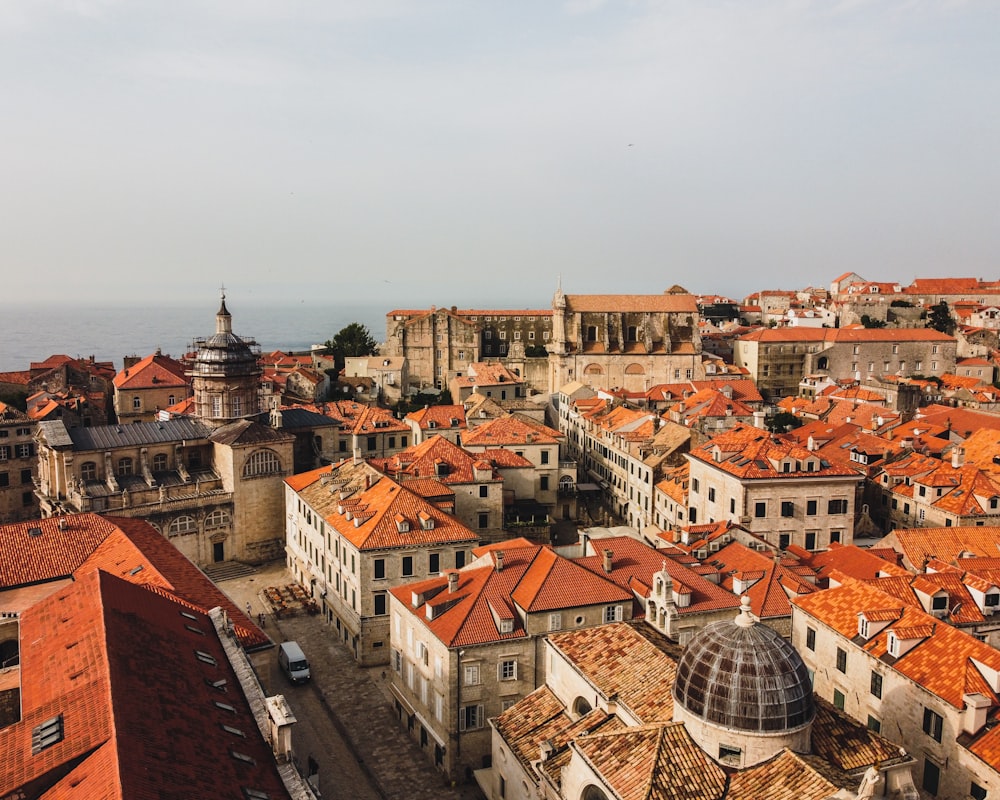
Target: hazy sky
460, 152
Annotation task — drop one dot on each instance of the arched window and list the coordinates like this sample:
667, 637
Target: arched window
634, 369
263, 462
822, 363
217, 519
171, 399
179, 525
593, 369
593, 793
160, 462
137, 403
88, 471
125, 466
581, 707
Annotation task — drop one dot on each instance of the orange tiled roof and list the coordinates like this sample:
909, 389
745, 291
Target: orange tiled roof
118, 665
449, 416
663, 303
435, 457
938, 663
509, 432
154, 371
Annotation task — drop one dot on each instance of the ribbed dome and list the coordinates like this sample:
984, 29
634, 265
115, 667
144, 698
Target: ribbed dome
743, 675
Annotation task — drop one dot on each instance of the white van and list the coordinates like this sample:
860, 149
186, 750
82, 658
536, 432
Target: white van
293, 662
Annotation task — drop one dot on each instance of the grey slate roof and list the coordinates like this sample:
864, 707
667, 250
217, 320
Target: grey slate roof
106, 437
246, 432
304, 418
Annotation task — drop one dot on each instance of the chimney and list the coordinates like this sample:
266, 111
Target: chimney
758, 419
958, 457
977, 706
452, 582
607, 560
499, 554
810, 444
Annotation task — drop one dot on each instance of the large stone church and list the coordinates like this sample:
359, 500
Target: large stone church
212, 483
625, 341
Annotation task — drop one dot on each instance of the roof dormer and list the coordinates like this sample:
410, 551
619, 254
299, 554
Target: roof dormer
872, 622
900, 640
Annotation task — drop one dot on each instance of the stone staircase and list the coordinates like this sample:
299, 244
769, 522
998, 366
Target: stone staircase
227, 570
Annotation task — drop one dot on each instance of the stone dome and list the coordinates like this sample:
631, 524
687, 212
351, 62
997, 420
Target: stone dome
744, 675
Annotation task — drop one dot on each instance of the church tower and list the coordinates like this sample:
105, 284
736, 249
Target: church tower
226, 374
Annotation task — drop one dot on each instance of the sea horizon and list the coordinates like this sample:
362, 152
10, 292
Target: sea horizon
109, 333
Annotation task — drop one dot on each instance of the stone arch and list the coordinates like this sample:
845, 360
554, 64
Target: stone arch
262, 462
635, 376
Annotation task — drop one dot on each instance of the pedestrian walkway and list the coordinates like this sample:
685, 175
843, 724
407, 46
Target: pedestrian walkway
358, 705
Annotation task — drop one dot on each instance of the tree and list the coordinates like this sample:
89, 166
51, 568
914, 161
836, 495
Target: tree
783, 422
940, 318
351, 341
869, 322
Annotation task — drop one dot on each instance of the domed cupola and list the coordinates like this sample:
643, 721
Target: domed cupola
225, 377
743, 692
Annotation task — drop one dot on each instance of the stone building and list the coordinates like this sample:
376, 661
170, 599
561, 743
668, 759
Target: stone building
773, 487
439, 343
624, 341
777, 359
353, 535
467, 645
18, 465
225, 375
215, 493
147, 385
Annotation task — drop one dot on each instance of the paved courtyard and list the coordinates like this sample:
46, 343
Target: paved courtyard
357, 701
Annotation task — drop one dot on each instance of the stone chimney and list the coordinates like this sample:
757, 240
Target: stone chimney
977, 706
499, 557
452, 582
958, 457
608, 555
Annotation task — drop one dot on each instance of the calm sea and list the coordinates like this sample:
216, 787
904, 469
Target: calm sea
33, 334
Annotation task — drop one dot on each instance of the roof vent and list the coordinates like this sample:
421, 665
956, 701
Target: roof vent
34, 531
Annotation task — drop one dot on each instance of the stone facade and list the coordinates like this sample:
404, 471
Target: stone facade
213, 499
624, 341
18, 465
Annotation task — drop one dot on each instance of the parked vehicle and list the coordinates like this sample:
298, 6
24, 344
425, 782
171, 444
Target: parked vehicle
293, 662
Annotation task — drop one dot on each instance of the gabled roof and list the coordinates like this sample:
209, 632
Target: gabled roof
437, 458
450, 416
155, 371
48, 550
532, 576
946, 544
372, 513
245, 432
939, 663
773, 583
664, 303
510, 431
119, 668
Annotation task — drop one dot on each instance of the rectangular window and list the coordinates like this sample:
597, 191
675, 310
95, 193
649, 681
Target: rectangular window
695, 485
732, 505
711, 494
483, 520
543, 483
407, 566
545, 456
787, 508
471, 673
555, 622
932, 777
25, 450
613, 613
783, 540
838, 699
760, 509
484, 491
811, 508
932, 724
4, 479
811, 638
874, 724
836, 507
459, 559
841, 660
471, 718
977, 792
507, 670
810, 540
434, 563
379, 567
371, 443
876, 684
380, 604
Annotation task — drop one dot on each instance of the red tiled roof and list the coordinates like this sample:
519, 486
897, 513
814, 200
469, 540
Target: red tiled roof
119, 665
154, 371
510, 431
